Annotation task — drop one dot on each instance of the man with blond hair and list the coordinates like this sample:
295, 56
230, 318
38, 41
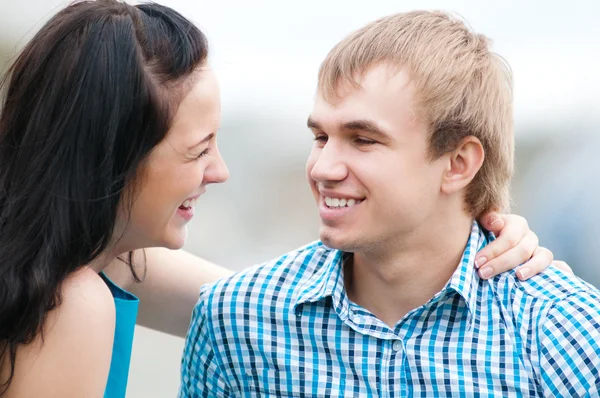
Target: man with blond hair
413, 128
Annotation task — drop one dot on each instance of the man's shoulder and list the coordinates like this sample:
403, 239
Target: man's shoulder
535, 300
278, 277
553, 285
566, 333
566, 293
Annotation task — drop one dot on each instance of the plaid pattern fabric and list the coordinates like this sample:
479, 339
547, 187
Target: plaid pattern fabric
287, 329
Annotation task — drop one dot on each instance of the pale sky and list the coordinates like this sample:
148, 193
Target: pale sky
267, 52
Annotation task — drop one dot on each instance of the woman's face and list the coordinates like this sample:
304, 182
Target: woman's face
178, 170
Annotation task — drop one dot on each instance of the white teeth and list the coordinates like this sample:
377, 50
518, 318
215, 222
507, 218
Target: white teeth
336, 202
189, 202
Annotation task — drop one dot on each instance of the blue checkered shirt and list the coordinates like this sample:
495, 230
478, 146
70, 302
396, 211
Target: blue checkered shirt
287, 329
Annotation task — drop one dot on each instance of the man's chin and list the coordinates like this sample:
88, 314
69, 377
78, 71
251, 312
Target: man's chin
335, 241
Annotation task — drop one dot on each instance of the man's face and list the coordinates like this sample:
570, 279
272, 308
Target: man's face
368, 168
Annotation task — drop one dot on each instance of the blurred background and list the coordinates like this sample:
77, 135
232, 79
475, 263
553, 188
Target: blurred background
267, 53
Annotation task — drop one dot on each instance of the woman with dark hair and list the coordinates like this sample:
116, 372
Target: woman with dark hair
107, 138
102, 151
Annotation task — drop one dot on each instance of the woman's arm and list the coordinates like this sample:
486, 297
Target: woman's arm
170, 288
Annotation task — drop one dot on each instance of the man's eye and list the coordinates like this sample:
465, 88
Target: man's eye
364, 141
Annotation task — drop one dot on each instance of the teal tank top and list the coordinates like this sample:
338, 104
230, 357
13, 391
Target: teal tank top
126, 305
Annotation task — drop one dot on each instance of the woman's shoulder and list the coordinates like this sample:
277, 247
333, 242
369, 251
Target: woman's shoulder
85, 286
72, 356
86, 305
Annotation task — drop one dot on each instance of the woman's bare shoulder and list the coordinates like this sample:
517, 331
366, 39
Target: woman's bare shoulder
72, 356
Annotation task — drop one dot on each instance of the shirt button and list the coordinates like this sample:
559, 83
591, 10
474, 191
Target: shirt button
397, 346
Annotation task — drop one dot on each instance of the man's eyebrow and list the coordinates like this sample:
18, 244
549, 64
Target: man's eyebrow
203, 141
367, 126
312, 124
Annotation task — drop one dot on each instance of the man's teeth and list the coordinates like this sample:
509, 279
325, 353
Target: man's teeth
189, 203
336, 202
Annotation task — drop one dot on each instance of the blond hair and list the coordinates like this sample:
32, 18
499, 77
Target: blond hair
461, 89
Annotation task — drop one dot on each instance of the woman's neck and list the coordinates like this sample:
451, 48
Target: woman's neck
102, 261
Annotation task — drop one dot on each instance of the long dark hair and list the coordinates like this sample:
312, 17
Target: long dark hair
84, 104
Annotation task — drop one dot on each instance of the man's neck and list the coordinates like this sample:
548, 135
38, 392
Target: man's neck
392, 281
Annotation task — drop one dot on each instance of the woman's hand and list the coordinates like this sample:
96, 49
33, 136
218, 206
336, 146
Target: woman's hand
516, 246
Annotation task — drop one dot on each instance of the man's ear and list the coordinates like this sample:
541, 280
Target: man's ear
463, 164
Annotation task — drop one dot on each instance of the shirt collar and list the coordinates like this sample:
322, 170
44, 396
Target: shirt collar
327, 279
465, 280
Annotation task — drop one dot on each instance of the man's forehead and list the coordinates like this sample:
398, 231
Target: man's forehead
343, 114
366, 101
380, 75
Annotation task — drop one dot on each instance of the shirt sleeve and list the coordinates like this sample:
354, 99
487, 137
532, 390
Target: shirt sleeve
570, 347
201, 374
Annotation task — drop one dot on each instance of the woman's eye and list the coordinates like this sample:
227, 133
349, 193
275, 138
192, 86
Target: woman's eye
202, 154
